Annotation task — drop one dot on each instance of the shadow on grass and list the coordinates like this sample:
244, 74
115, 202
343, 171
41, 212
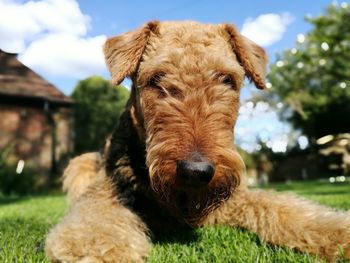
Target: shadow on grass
307, 186
344, 192
181, 236
7, 200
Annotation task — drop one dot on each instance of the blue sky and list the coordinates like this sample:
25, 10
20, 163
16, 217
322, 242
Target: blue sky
62, 39
107, 18
115, 17
111, 18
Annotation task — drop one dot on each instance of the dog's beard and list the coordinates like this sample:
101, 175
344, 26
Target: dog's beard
190, 204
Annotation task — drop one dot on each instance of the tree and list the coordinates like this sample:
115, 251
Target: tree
99, 105
313, 78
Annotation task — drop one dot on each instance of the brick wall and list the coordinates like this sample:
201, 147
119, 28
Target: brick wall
27, 133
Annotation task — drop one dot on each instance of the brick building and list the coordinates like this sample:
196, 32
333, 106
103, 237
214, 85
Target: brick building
35, 118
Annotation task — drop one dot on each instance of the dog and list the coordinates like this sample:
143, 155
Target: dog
171, 161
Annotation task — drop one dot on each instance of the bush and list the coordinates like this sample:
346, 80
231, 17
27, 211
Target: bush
12, 183
98, 107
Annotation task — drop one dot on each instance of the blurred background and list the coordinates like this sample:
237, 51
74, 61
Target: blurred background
56, 100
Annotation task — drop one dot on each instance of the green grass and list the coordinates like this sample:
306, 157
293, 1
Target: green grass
24, 223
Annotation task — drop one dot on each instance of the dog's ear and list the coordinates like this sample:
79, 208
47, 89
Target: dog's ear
252, 57
123, 53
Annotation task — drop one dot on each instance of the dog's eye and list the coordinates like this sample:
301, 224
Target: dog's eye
227, 80
155, 79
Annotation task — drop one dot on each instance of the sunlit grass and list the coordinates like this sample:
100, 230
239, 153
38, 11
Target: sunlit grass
24, 222
336, 194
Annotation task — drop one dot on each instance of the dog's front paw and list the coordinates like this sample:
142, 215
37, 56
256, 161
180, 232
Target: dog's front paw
90, 260
94, 246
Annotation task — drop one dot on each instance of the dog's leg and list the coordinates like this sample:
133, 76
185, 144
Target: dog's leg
80, 173
285, 219
98, 229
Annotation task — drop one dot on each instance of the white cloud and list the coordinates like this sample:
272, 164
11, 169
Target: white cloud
267, 29
51, 36
59, 16
16, 26
65, 54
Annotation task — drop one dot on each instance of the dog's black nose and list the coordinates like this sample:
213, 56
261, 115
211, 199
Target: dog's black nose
193, 173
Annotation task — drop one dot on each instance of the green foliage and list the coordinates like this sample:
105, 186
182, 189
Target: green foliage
313, 78
248, 159
99, 105
24, 223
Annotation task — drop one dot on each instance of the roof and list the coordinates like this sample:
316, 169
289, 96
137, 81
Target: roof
17, 80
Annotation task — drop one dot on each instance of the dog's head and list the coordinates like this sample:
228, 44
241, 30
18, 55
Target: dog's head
184, 104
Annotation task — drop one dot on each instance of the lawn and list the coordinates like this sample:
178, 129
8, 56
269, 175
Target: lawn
24, 223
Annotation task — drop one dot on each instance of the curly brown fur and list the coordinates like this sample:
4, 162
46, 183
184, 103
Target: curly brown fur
285, 219
86, 166
183, 107
98, 228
